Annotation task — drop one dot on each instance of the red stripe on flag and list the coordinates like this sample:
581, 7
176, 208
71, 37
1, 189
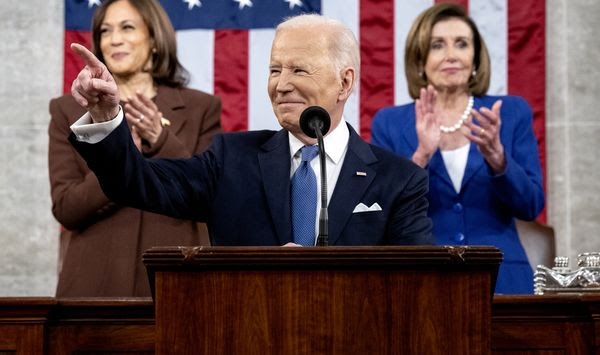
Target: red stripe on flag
464, 3
73, 64
527, 65
377, 60
231, 78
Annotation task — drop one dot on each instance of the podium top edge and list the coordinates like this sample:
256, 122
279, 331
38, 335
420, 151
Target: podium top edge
374, 255
448, 249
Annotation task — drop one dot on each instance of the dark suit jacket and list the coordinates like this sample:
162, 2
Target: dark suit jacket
241, 187
104, 241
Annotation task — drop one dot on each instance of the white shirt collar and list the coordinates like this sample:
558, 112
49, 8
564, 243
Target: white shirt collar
335, 142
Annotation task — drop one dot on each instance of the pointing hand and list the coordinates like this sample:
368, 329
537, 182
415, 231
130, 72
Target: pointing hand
94, 88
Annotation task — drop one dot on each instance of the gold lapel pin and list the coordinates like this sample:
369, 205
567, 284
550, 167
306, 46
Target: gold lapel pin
361, 173
165, 122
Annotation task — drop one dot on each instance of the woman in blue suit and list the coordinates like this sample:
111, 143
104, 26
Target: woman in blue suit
480, 150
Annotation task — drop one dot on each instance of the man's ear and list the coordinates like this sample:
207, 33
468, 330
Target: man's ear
347, 78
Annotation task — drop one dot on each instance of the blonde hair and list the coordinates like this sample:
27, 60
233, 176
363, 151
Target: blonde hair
418, 44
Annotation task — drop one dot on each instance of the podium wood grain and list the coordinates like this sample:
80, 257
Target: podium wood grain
350, 300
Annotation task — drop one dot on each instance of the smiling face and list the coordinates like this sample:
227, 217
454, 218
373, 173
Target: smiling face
125, 40
301, 74
450, 60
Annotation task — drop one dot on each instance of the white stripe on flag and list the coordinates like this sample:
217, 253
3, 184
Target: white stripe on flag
260, 111
405, 12
347, 11
195, 49
492, 22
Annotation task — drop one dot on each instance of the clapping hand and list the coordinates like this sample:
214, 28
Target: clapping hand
486, 134
427, 125
94, 88
143, 115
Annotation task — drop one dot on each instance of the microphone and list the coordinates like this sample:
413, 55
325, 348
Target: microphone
312, 118
315, 123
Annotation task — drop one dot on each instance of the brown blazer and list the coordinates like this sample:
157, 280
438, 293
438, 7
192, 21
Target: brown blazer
104, 241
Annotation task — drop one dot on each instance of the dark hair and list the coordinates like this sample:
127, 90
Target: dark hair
166, 69
418, 42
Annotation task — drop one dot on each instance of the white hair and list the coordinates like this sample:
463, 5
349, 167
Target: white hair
343, 46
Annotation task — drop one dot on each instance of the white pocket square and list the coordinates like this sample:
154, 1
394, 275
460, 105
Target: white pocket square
361, 207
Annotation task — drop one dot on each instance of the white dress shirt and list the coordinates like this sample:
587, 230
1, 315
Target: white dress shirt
87, 131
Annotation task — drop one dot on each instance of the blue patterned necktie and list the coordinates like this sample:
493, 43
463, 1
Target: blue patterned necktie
304, 199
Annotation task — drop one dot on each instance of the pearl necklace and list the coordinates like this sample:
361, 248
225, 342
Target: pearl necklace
461, 121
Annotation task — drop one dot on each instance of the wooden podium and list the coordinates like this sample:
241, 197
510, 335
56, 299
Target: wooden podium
323, 300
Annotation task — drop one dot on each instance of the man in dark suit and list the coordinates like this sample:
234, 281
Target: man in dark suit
242, 185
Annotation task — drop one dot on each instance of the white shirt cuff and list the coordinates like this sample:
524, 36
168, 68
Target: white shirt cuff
87, 131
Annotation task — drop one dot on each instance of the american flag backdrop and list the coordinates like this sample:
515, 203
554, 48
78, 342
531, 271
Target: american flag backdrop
225, 45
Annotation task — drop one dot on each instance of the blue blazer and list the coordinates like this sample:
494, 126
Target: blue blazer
241, 187
483, 212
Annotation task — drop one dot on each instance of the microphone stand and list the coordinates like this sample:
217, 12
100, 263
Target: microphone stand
323, 237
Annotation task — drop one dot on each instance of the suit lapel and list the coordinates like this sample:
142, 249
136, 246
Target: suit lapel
170, 102
475, 162
437, 167
275, 167
350, 186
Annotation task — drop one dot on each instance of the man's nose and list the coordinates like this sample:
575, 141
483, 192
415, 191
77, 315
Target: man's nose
284, 84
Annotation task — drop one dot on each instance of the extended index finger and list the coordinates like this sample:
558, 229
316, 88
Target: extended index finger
88, 57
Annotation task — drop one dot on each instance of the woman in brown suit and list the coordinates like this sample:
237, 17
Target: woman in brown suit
103, 243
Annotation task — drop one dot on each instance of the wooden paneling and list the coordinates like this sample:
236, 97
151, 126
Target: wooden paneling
102, 326
71, 326
565, 324
22, 322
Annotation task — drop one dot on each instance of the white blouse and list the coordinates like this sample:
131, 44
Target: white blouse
456, 162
